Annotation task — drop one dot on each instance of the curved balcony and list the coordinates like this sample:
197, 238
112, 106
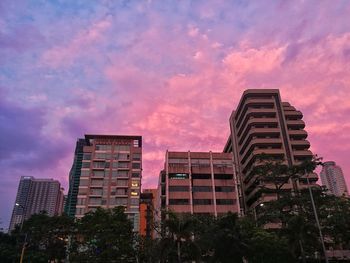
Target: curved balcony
261, 142
253, 112
260, 121
258, 131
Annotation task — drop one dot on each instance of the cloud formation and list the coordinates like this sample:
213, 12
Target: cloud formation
169, 71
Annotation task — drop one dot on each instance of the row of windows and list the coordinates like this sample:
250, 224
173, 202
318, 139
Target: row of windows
202, 201
102, 164
108, 147
183, 188
200, 176
112, 201
114, 156
105, 173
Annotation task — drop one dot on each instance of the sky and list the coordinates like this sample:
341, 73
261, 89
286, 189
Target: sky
171, 71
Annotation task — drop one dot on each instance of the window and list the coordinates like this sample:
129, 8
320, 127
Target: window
97, 182
179, 201
178, 188
224, 189
80, 211
85, 173
87, 156
202, 201
134, 193
201, 176
136, 143
202, 189
94, 191
120, 173
134, 201
122, 182
178, 176
178, 160
136, 165
123, 165
85, 165
81, 201
200, 162
100, 173
135, 175
134, 184
121, 201
136, 156
122, 148
121, 191
102, 147
100, 156
123, 156
84, 182
95, 201
223, 176
225, 201
99, 164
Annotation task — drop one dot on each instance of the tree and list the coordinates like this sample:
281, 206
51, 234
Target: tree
104, 236
178, 244
8, 249
45, 237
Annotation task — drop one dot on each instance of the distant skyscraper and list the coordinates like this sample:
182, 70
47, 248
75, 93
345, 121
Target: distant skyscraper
198, 183
35, 196
262, 123
74, 178
110, 175
332, 177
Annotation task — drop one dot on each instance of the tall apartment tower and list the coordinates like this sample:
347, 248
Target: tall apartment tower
110, 175
262, 123
198, 183
332, 177
35, 196
74, 178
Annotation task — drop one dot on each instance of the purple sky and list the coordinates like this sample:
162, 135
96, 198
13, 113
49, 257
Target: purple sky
171, 71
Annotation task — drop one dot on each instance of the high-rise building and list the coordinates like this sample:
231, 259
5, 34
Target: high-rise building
74, 178
198, 183
35, 196
262, 123
110, 175
332, 177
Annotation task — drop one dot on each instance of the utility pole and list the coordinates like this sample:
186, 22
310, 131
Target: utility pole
316, 218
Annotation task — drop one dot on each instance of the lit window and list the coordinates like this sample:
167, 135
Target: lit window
134, 184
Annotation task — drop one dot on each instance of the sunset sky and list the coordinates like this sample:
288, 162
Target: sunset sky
171, 71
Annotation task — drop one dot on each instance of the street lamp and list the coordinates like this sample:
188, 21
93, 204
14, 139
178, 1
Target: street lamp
25, 237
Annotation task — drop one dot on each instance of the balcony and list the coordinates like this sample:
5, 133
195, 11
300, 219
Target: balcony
296, 123
305, 143
253, 112
261, 142
258, 131
252, 121
293, 113
302, 153
273, 152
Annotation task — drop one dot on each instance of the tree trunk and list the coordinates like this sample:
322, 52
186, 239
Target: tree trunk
178, 252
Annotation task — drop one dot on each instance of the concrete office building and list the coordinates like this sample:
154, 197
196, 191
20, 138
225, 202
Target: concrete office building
198, 183
110, 175
74, 178
332, 177
35, 196
262, 123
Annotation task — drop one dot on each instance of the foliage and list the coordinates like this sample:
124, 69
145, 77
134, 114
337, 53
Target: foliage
104, 236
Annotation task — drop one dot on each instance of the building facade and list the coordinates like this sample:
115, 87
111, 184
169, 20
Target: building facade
35, 196
263, 124
147, 211
198, 183
74, 178
111, 175
332, 177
